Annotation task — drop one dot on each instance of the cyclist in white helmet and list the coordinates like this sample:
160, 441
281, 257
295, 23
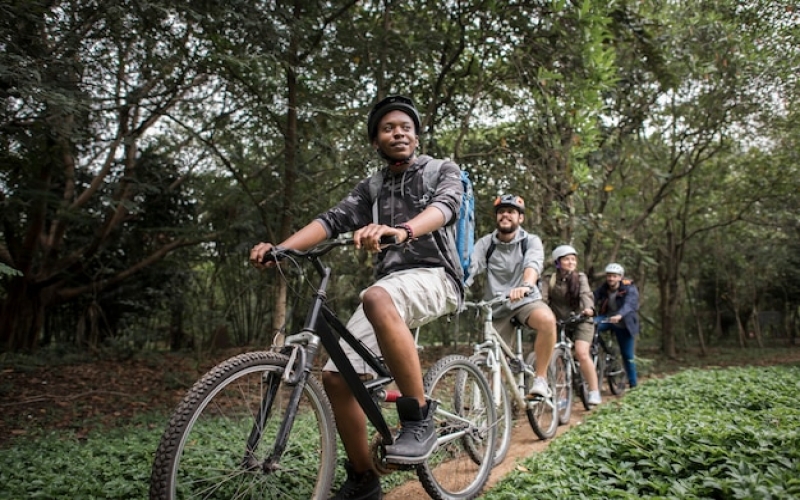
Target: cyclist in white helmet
618, 301
567, 292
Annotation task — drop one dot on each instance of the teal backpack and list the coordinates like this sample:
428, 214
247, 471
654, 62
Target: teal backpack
464, 225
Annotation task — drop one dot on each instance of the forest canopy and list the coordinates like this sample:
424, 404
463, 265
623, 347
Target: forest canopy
147, 145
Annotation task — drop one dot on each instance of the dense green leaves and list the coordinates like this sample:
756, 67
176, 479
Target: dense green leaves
732, 433
143, 143
718, 433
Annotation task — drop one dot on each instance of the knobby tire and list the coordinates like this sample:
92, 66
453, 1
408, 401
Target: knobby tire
202, 453
505, 413
542, 413
466, 428
563, 384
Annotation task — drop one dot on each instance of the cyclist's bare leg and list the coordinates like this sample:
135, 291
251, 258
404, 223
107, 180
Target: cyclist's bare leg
544, 322
587, 366
351, 422
396, 342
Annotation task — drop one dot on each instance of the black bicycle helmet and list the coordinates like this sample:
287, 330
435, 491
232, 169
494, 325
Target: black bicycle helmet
510, 200
391, 103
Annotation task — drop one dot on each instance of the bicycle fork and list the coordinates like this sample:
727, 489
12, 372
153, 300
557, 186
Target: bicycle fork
294, 375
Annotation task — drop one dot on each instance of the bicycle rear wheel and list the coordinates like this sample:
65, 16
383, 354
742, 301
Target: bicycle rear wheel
542, 413
502, 404
466, 430
219, 440
615, 372
563, 384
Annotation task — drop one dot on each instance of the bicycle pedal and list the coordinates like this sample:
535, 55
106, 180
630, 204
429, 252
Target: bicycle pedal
389, 467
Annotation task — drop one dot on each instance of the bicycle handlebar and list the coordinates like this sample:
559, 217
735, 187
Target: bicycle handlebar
573, 319
484, 304
279, 253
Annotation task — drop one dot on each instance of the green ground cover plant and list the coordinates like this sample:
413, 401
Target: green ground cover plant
701, 434
714, 433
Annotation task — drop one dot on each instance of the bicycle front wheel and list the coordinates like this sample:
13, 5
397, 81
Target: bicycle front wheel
562, 360
615, 372
220, 442
466, 430
542, 412
600, 367
581, 387
502, 404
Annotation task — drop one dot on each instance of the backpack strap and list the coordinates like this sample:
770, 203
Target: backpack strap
430, 177
492, 245
490, 250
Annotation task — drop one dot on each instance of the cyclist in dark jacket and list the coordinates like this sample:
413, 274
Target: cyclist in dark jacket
617, 302
416, 283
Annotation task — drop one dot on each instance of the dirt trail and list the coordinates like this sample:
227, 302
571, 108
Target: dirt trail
523, 444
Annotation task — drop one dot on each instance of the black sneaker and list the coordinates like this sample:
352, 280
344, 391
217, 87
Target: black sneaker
363, 486
417, 437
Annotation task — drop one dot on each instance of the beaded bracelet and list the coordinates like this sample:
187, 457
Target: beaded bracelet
409, 231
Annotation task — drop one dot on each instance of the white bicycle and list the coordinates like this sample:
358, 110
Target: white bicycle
510, 377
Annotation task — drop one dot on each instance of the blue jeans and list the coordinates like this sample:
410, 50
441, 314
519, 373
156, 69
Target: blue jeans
626, 343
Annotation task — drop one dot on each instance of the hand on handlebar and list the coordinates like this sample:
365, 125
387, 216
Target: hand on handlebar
518, 293
373, 237
259, 256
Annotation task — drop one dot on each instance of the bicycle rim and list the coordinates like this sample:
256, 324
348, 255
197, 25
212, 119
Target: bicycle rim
563, 384
502, 404
542, 413
600, 368
615, 372
202, 453
466, 430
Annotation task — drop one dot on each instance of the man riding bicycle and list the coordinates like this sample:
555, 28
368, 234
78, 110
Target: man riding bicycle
618, 303
417, 282
513, 260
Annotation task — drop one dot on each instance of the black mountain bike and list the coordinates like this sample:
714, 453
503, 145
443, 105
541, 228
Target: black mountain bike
260, 424
608, 361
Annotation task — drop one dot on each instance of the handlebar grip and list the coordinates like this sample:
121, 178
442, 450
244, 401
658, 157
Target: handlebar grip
273, 255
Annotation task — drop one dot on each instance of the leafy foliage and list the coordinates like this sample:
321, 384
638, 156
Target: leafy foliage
719, 433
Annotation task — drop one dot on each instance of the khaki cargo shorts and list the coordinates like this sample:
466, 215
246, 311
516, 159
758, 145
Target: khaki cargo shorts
420, 296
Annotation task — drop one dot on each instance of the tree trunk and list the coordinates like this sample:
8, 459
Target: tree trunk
290, 171
734, 299
693, 312
21, 316
666, 311
757, 326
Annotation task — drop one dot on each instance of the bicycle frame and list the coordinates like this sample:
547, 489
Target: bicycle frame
323, 326
274, 400
498, 352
